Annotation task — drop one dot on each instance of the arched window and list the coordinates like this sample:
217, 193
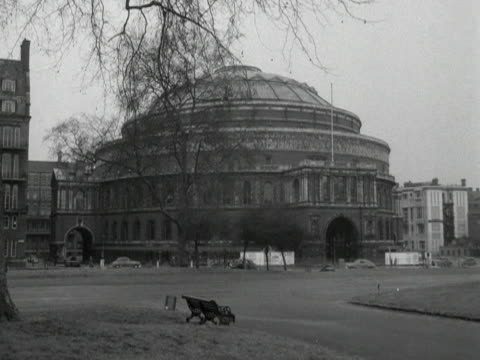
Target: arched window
150, 233
296, 190
14, 196
267, 193
7, 197
136, 229
124, 231
247, 193
113, 232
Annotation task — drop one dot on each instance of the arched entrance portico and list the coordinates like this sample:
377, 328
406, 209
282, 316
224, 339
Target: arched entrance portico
341, 240
78, 242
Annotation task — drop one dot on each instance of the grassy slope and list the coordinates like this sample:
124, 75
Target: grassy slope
449, 300
119, 333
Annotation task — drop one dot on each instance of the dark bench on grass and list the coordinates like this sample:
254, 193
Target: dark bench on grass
208, 310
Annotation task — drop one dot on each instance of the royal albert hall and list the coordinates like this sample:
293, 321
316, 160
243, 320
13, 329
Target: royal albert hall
344, 206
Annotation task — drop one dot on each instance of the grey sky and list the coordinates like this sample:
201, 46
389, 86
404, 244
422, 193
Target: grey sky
413, 77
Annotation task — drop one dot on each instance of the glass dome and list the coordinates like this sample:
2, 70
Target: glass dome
250, 83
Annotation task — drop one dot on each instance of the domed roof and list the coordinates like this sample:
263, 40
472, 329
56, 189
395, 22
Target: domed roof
250, 83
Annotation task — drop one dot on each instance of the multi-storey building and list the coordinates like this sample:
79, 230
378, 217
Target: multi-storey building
474, 217
39, 197
433, 215
14, 130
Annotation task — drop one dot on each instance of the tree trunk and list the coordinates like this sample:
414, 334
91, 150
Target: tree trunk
245, 245
8, 310
266, 258
284, 262
197, 255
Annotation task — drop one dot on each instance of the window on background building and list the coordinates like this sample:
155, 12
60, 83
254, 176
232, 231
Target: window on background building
325, 188
6, 165
296, 190
14, 196
105, 230
268, 193
167, 230
14, 222
150, 233
405, 213
15, 167
8, 85
79, 200
228, 192
113, 231
419, 213
5, 248
353, 189
136, 229
247, 193
420, 228
268, 159
282, 193
8, 106
7, 197
340, 188
124, 231
6, 222
16, 137
13, 248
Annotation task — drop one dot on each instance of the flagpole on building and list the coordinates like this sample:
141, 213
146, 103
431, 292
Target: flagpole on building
331, 120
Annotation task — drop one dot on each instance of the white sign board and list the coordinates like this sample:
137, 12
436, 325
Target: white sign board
402, 258
274, 257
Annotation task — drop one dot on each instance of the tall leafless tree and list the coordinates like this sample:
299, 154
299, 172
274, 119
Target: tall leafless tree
122, 40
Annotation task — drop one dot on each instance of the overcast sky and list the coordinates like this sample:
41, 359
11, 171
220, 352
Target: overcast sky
412, 75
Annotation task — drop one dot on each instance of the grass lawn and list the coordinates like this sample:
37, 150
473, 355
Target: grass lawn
459, 300
138, 333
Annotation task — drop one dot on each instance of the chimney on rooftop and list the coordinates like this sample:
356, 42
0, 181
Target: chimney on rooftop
59, 156
25, 54
464, 182
435, 181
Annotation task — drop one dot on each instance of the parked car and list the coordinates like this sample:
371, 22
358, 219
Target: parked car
238, 264
441, 262
467, 262
360, 264
327, 267
125, 262
73, 260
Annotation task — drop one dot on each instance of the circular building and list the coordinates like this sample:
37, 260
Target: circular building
257, 143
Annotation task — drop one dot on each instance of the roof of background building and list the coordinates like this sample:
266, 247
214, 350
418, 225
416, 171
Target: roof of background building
42, 166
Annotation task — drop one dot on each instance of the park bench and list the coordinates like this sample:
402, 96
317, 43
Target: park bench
208, 310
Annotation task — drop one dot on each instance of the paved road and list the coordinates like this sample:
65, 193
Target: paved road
308, 306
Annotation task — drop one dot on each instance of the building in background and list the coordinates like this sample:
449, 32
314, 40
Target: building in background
39, 200
344, 207
474, 217
14, 132
433, 215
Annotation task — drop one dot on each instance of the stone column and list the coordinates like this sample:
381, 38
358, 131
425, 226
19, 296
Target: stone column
347, 189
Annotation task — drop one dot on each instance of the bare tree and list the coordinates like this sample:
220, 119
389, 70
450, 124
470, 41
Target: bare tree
150, 52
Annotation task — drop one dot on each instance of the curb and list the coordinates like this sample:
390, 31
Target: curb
416, 311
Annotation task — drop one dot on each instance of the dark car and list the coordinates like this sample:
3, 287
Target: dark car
238, 264
125, 262
442, 262
360, 264
327, 267
73, 260
469, 262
